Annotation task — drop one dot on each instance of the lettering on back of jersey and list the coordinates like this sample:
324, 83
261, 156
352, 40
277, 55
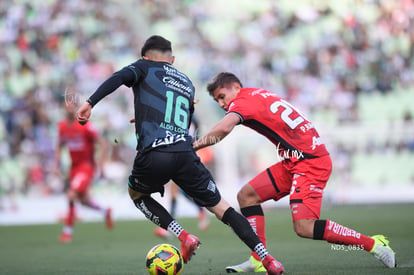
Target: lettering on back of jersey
169, 139
171, 127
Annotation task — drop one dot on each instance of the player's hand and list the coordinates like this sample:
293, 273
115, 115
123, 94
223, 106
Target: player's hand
83, 114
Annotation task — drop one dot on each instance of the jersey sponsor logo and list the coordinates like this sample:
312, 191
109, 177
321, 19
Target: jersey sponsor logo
177, 81
169, 139
169, 70
174, 84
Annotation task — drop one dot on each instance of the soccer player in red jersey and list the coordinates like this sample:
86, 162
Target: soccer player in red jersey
302, 173
80, 142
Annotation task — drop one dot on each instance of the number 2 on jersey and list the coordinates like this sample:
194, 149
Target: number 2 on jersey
287, 110
180, 112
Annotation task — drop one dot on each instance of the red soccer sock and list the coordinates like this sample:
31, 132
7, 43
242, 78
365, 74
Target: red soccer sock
333, 232
255, 216
71, 215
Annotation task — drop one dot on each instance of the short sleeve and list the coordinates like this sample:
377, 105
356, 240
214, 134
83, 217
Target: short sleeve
243, 107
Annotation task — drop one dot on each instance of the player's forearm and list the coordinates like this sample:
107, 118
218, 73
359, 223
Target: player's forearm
213, 137
218, 132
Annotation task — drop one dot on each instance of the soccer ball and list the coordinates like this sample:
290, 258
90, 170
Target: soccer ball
164, 259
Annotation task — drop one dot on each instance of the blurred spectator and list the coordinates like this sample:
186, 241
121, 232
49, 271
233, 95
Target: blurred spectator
321, 57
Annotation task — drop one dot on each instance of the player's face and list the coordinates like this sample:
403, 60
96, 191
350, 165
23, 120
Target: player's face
223, 95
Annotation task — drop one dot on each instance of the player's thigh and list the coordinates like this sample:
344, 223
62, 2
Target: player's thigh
151, 171
308, 187
272, 183
81, 177
195, 180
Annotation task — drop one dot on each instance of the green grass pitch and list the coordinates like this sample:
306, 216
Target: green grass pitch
95, 250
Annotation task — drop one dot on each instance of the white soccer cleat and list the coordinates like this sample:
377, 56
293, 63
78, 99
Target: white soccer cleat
251, 265
383, 252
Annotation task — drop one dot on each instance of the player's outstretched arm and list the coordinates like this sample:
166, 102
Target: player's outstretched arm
218, 132
124, 76
84, 112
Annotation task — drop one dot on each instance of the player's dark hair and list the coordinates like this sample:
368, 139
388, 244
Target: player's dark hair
223, 79
156, 42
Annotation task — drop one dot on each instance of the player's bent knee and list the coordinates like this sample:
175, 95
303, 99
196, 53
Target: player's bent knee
134, 195
300, 232
247, 196
304, 228
219, 208
72, 195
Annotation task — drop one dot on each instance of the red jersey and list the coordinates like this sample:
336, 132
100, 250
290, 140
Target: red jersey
79, 140
270, 115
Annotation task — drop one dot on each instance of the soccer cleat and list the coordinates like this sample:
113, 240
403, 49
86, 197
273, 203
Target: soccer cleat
203, 221
188, 245
65, 238
108, 219
251, 265
162, 233
272, 266
383, 252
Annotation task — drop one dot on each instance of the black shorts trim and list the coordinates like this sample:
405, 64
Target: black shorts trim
296, 201
273, 180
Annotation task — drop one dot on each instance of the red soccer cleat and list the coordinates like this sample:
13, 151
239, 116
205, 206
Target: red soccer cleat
189, 244
108, 219
272, 266
65, 238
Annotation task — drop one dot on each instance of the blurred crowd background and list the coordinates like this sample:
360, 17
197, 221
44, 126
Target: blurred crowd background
348, 65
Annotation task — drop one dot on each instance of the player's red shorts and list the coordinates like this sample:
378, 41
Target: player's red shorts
81, 177
304, 180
